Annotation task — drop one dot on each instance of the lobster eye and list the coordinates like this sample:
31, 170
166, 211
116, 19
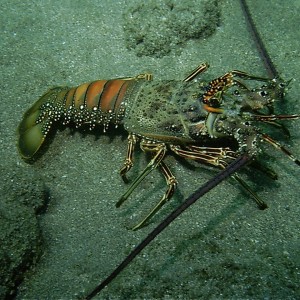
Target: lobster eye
263, 93
214, 102
282, 85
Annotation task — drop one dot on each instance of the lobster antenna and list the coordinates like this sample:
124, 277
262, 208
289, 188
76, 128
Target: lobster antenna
227, 172
263, 53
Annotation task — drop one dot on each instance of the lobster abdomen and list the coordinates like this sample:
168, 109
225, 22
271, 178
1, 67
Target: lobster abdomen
97, 102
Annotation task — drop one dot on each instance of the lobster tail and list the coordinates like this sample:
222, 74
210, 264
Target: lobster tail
37, 122
98, 102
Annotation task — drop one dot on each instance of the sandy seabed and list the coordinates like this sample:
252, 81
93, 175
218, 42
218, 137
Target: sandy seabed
223, 247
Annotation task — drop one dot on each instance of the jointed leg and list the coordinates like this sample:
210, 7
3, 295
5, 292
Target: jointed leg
216, 157
261, 204
199, 70
278, 146
211, 156
244, 75
159, 153
128, 163
171, 182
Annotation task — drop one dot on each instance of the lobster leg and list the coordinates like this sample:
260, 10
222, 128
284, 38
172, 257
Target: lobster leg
216, 156
278, 146
198, 70
208, 157
267, 118
160, 151
128, 163
260, 203
171, 182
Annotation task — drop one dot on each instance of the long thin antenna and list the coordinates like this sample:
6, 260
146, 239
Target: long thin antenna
263, 53
230, 169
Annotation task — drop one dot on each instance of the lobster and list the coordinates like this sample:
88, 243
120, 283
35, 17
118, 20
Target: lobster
211, 123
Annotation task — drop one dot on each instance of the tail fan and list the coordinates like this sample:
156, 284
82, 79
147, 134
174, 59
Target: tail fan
37, 122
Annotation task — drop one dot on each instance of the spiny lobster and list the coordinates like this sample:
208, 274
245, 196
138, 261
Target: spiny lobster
212, 123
